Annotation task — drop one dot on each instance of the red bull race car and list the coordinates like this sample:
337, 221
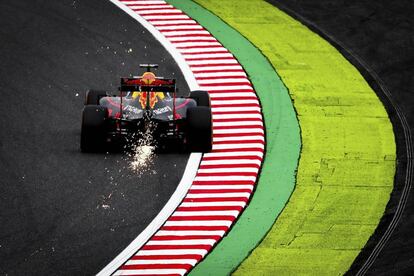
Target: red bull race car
147, 104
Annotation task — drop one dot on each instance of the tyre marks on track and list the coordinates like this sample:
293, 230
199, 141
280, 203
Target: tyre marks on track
226, 177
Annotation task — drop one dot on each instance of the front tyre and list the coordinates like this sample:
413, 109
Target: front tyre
93, 132
199, 132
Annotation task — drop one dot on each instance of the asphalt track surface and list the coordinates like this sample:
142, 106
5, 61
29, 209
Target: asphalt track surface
381, 33
63, 212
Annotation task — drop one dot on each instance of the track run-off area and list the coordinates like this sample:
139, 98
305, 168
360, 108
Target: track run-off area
347, 162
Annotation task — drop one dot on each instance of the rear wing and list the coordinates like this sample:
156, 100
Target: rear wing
136, 84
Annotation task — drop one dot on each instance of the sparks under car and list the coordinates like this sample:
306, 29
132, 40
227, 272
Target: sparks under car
147, 102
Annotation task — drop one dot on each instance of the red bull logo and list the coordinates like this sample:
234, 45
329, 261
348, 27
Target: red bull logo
153, 99
149, 78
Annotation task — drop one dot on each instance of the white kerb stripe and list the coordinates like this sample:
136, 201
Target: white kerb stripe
179, 27
206, 213
163, 261
238, 123
213, 195
199, 223
212, 68
212, 61
223, 178
237, 130
236, 154
225, 87
208, 204
202, 50
186, 33
190, 44
214, 55
236, 116
189, 233
237, 146
236, 109
216, 187
219, 74
158, 23
201, 252
145, 8
158, 17
150, 271
234, 102
165, 12
222, 94
224, 139
142, 2
223, 80
229, 170
183, 242
230, 162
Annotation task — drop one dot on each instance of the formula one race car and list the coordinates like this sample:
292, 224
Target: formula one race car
147, 102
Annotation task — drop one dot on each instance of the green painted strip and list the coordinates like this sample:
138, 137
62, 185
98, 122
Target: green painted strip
282, 150
347, 164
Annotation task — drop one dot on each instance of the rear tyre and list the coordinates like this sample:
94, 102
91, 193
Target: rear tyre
201, 97
93, 132
199, 132
93, 96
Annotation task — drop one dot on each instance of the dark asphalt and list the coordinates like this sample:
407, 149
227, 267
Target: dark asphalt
381, 33
63, 212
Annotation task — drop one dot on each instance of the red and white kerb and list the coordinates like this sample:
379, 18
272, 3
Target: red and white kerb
226, 176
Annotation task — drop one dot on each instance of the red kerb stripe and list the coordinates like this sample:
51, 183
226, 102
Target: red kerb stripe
166, 19
189, 35
224, 51
234, 105
223, 120
224, 182
230, 166
156, 266
179, 30
239, 142
216, 199
215, 64
193, 41
210, 208
195, 228
238, 127
217, 70
220, 77
200, 218
178, 246
199, 47
209, 58
226, 83
166, 7
239, 149
189, 237
167, 257
218, 191
163, 14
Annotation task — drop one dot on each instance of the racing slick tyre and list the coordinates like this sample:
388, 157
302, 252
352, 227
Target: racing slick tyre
93, 96
93, 128
199, 132
201, 97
